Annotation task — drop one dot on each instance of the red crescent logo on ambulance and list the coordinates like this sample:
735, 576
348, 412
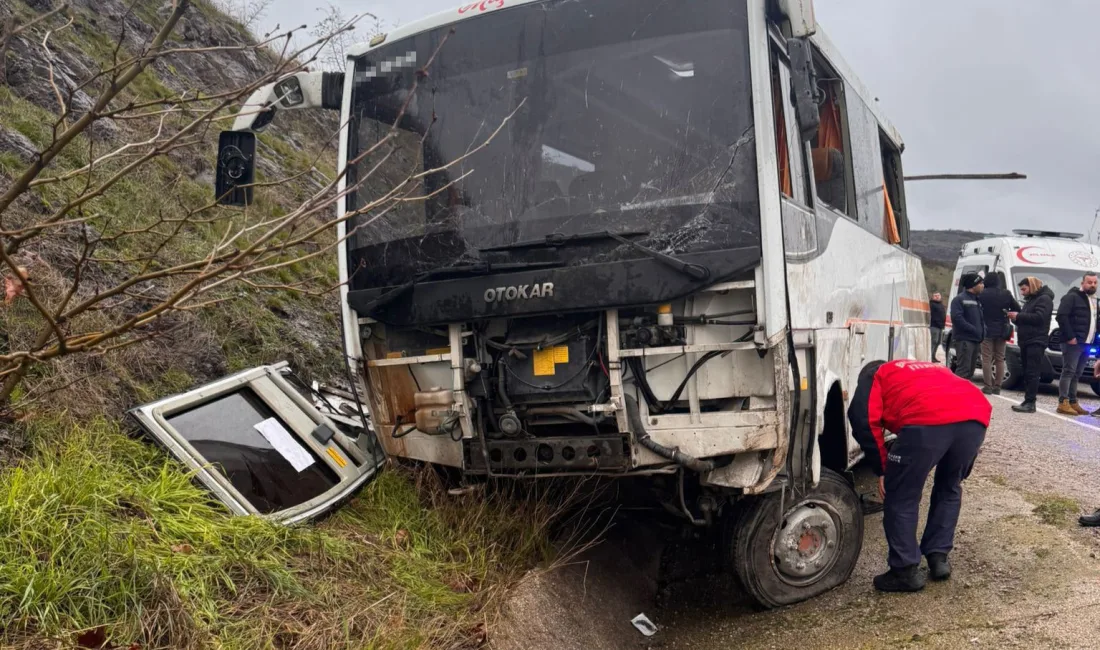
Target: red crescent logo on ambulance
1034, 255
483, 6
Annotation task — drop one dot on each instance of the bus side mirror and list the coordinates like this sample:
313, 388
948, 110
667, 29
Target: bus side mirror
236, 170
289, 92
800, 14
804, 92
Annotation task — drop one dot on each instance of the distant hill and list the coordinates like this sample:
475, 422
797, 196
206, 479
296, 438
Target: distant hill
942, 245
938, 250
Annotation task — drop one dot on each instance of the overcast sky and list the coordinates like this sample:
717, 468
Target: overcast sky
973, 86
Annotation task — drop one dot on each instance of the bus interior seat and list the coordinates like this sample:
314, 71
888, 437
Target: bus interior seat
829, 176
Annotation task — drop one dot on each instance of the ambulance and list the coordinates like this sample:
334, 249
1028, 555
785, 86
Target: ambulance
1059, 260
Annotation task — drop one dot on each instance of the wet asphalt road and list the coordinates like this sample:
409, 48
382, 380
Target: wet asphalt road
1022, 579
1051, 452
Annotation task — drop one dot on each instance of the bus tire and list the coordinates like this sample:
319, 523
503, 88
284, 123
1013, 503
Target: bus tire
811, 549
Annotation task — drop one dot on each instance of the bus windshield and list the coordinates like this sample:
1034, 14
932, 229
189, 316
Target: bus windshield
608, 115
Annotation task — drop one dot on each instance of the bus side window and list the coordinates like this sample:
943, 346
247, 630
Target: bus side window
790, 148
831, 151
896, 228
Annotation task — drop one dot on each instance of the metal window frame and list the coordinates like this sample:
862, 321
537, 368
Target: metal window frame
888, 149
801, 180
296, 412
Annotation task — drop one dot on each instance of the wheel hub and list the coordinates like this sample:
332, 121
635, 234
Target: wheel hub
807, 544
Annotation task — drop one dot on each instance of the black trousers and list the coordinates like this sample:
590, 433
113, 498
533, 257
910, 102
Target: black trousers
968, 353
951, 449
1031, 355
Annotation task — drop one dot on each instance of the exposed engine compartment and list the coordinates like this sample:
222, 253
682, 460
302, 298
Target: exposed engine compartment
585, 392
535, 397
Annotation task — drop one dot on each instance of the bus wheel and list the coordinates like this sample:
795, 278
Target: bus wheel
1014, 376
807, 550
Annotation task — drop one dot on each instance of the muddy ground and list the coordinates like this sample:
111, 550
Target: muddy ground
1026, 576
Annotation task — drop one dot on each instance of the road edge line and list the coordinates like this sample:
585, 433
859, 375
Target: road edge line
1052, 414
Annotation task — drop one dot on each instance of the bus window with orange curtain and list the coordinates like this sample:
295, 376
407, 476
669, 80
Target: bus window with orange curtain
895, 228
890, 221
790, 147
830, 156
781, 151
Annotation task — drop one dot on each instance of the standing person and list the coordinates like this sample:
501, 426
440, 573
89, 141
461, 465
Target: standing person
967, 324
996, 302
940, 421
1077, 327
1033, 335
937, 322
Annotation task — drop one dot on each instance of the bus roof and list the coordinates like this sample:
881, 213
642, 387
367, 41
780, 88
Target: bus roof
482, 7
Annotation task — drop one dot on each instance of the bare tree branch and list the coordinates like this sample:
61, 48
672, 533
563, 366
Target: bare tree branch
11, 31
176, 253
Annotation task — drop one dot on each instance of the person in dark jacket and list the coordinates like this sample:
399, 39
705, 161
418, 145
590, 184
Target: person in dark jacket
937, 322
1077, 329
996, 302
967, 324
1032, 335
940, 421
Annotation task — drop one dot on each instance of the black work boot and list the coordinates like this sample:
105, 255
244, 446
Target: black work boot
988, 390
939, 568
996, 390
1091, 521
1026, 407
899, 580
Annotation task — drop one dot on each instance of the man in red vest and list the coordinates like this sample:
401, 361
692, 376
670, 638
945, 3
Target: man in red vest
940, 421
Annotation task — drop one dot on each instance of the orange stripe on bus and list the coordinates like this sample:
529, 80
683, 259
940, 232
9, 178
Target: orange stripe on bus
909, 303
851, 321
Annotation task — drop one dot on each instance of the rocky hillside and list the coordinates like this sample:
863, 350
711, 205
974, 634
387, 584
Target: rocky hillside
257, 325
942, 245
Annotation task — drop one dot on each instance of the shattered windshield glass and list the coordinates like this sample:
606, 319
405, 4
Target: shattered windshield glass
558, 117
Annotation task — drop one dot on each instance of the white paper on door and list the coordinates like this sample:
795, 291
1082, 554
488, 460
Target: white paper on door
284, 443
